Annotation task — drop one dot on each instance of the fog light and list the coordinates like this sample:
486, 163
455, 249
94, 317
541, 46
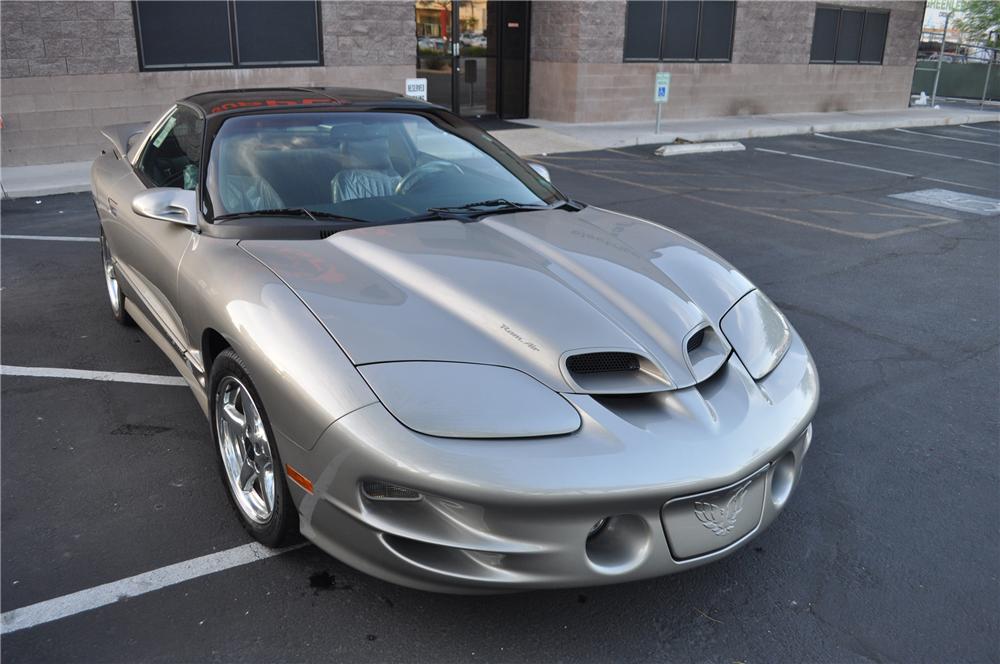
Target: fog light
597, 527
379, 490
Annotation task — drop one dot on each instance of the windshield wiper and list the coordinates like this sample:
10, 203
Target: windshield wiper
472, 211
490, 206
315, 215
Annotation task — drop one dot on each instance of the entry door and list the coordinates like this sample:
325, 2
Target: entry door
476, 85
514, 39
474, 55
435, 51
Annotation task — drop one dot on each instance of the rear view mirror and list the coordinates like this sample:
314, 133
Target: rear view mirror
167, 204
541, 170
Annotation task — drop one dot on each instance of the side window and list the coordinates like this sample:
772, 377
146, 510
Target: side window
173, 154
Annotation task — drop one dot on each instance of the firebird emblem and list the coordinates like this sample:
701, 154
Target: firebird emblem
722, 520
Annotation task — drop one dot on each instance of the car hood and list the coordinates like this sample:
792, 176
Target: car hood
521, 290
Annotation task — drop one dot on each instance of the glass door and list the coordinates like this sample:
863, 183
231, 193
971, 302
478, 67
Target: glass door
474, 55
477, 59
435, 54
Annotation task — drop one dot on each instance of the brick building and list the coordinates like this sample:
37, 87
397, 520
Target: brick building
69, 68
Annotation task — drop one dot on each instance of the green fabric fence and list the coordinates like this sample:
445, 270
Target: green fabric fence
958, 79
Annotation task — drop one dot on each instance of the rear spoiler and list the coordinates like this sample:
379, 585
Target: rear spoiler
120, 134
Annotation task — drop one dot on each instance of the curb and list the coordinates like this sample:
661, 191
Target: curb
819, 127
697, 148
45, 180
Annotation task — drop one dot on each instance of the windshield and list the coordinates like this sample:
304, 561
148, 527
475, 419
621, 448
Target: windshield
371, 166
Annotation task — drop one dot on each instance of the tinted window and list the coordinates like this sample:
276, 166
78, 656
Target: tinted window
642, 30
681, 39
175, 34
679, 30
873, 38
824, 44
172, 155
276, 32
849, 35
715, 35
190, 35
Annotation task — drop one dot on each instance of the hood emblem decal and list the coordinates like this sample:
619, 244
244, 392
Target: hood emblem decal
722, 520
518, 337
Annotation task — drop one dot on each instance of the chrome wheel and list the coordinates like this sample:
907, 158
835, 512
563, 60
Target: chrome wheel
246, 451
110, 278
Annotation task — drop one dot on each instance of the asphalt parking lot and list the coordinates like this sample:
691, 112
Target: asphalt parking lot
888, 551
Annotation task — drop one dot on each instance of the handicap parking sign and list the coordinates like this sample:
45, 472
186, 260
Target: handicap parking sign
662, 90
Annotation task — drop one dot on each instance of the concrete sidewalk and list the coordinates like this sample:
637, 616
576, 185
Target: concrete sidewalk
733, 128
547, 137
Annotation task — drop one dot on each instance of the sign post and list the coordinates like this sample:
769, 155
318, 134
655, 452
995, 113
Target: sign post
416, 88
661, 92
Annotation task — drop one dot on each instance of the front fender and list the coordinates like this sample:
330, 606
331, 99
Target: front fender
304, 379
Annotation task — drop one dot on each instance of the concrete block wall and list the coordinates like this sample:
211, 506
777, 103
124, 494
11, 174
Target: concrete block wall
577, 72
70, 68
54, 38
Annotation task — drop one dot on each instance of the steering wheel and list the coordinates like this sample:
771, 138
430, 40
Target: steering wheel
421, 172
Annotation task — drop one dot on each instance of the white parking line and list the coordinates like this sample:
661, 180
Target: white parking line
899, 147
834, 161
110, 376
992, 131
946, 138
867, 168
56, 238
133, 586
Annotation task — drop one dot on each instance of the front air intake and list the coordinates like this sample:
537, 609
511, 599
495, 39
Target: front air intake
607, 362
695, 340
612, 372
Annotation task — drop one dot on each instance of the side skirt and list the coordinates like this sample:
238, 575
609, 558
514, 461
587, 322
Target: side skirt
153, 332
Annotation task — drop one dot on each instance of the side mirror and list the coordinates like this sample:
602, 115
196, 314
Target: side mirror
179, 206
541, 170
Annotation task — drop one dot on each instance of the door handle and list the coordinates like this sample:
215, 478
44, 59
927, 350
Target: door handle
112, 207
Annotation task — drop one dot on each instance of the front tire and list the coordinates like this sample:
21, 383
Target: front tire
248, 455
112, 285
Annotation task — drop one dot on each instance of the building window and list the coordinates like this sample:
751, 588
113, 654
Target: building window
217, 34
849, 35
679, 30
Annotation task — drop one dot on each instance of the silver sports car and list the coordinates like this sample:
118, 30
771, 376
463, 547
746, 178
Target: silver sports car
414, 350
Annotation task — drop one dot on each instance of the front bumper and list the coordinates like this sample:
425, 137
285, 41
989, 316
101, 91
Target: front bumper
500, 515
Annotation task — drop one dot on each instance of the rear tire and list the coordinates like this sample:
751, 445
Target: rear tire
251, 466
113, 286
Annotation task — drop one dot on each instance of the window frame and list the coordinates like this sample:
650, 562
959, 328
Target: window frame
865, 11
234, 47
665, 4
141, 149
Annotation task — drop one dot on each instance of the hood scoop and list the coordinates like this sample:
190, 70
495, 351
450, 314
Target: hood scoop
612, 372
705, 351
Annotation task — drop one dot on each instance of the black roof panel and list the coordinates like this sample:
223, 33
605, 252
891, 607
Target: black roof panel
246, 99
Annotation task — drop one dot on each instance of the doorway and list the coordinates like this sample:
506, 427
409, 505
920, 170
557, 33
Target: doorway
474, 55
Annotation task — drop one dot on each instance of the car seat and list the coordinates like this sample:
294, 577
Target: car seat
369, 172
241, 186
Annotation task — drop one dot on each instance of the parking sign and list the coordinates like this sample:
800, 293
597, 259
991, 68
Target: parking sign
662, 90
416, 88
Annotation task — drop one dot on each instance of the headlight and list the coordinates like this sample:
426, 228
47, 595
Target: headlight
758, 332
456, 400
